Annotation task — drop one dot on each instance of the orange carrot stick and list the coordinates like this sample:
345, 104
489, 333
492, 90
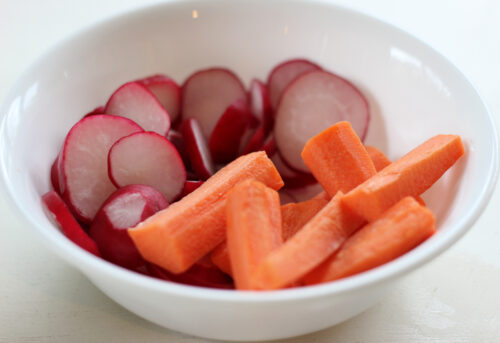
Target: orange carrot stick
411, 175
338, 159
310, 246
397, 231
176, 237
380, 161
253, 228
220, 257
295, 215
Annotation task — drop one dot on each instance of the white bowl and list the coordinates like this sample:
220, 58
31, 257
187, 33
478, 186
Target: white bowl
414, 93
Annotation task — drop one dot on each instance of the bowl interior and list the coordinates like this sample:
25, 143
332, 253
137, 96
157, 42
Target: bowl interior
413, 92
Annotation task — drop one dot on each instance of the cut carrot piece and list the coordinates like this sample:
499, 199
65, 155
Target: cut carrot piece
411, 175
317, 240
176, 237
380, 161
253, 228
295, 215
397, 231
323, 195
338, 159
220, 257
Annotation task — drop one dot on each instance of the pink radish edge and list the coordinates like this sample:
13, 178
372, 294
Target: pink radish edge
170, 97
197, 149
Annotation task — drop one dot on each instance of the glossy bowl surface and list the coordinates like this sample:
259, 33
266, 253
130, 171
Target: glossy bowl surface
414, 93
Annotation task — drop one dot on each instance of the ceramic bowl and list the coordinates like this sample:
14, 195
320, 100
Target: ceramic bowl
413, 92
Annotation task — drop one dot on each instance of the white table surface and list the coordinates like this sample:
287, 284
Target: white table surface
455, 298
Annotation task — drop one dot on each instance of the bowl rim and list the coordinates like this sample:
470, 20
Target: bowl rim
389, 271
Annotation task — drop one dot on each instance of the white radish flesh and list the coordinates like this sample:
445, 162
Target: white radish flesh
312, 103
166, 91
283, 74
136, 102
84, 181
147, 158
207, 93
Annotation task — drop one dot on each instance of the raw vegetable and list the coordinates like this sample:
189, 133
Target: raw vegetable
167, 92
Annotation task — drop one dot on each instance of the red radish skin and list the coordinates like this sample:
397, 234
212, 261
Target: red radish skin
68, 224
201, 274
311, 103
83, 168
166, 91
227, 135
136, 102
207, 93
97, 110
197, 149
125, 208
175, 137
54, 175
292, 178
283, 74
260, 104
269, 146
149, 159
190, 186
256, 142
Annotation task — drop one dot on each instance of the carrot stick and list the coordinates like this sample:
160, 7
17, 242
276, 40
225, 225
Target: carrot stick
176, 237
295, 215
338, 159
253, 228
397, 231
220, 257
411, 175
310, 246
380, 161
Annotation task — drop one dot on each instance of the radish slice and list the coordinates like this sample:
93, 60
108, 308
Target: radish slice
207, 93
305, 193
68, 224
166, 91
197, 149
136, 102
97, 110
312, 103
260, 104
227, 135
269, 145
283, 74
147, 158
255, 142
175, 137
83, 178
190, 186
125, 208
292, 178
285, 197
54, 175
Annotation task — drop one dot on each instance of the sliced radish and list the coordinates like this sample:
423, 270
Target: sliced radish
136, 102
175, 137
305, 193
190, 186
285, 197
97, 110
226, 138
147, 158
166, 91
54, 175
292, 178
68, 224
197, 149
207, 93
312, 103
83, 178
283, 74
125, 208
260, 104
256, 141
203, 274
269, 145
